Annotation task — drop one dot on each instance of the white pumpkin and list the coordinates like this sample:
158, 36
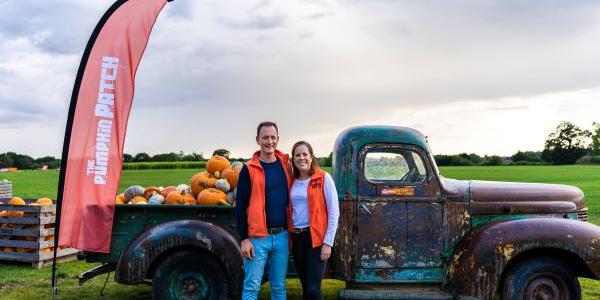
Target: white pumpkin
222, 185
231, 197
156, 199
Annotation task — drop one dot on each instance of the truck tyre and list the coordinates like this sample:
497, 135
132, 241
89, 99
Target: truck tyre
541, 278
189, 275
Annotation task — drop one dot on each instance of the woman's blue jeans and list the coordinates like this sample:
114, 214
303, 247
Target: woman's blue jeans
274, 250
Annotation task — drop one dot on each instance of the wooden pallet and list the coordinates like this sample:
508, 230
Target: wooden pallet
30, 236
5, 189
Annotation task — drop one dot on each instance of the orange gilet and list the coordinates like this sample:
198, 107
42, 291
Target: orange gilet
317, 208
257, 218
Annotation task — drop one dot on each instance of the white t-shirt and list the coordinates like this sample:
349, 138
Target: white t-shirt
299, 199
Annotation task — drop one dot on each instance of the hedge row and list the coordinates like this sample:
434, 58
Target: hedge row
589, 160
164, 165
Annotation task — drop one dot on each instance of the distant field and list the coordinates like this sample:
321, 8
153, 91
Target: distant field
22, 282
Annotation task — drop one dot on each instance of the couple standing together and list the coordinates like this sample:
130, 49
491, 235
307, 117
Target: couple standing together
276, 198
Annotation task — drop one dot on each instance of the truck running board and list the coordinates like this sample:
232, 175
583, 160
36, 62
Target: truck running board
99, 270
396, 294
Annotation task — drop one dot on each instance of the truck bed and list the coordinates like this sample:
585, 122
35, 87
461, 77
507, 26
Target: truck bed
131, 220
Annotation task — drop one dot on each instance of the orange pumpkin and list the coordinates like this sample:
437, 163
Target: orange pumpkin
9, 249
138, 199
211, 196
174, 197
202, 181
3, 214
165, 192
189, 199
44, 201
118, 200
24, 250
47, 250
151, 191
15, 201
217, 163
232, 175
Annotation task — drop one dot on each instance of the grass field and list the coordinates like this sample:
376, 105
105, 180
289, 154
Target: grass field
18, 281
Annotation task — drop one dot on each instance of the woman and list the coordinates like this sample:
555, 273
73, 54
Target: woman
314, 216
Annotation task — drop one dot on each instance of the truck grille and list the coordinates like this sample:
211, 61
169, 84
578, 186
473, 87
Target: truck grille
582, 215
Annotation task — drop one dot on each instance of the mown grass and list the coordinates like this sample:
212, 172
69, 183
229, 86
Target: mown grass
20, 281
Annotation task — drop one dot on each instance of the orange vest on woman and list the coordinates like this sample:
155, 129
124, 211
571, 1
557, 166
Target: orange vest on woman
257, 218
317, 208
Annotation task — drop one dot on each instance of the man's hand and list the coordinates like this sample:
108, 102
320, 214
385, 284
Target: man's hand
247, 249
325, 252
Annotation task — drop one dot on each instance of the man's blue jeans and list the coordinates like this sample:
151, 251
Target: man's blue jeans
274, 249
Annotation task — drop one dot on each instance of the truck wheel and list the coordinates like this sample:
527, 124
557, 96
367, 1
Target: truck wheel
189, 275
541, 278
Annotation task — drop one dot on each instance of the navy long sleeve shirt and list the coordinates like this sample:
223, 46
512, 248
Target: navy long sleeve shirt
276, 197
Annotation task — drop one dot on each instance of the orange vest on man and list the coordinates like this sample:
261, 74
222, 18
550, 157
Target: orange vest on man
317, 208
257, 219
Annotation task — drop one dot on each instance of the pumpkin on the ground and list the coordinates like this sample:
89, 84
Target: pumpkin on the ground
211, 196
232, 175
173, 198
217, 163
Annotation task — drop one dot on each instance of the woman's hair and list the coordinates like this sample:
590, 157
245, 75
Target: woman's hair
313, 165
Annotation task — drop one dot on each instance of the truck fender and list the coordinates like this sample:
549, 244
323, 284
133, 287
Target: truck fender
143, 251
480, 258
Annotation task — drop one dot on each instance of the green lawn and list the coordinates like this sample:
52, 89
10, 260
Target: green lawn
18, 281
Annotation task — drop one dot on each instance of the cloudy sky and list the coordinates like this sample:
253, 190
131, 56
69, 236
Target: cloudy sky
490, 77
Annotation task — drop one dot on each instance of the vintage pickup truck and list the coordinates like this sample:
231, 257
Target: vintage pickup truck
405, 232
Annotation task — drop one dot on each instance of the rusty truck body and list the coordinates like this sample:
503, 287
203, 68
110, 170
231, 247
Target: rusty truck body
405, 232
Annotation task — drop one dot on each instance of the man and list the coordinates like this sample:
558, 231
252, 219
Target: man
261, 212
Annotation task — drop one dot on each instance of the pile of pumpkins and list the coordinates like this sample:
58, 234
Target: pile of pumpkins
20, 202
216, 186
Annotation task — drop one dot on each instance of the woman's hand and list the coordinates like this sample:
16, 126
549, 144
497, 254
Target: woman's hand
325, 252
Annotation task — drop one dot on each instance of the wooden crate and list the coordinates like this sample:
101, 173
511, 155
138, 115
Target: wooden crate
5, 189
29, 233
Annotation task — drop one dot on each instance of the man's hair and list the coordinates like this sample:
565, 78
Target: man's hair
265, 124
313, 165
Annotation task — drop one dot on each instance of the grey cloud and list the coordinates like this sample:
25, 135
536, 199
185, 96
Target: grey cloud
255, 22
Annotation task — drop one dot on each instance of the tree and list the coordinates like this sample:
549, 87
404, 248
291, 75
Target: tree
566, 145
127, 157
222, 152
166, 157
493, 160
141, 157
193, 157
325, 161
527, 156
6, 160
596, 139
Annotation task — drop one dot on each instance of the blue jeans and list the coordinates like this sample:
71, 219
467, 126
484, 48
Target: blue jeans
274, 249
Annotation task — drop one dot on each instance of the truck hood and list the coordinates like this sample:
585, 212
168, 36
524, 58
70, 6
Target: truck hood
494, 198
488, 197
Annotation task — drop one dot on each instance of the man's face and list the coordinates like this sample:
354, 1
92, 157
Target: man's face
267, 139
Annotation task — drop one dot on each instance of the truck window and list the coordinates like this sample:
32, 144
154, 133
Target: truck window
394, 166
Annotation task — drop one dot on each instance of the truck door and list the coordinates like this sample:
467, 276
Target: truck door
399, 217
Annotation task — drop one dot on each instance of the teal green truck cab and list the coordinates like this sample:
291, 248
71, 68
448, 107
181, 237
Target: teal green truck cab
405, 232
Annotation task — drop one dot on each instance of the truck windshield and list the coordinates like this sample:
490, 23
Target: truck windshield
394, 165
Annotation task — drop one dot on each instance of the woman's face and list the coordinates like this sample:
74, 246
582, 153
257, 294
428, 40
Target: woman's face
302, 158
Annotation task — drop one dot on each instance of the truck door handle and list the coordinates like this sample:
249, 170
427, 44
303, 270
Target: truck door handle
363, 207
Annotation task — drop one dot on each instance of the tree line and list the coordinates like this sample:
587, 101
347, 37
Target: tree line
568, 144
